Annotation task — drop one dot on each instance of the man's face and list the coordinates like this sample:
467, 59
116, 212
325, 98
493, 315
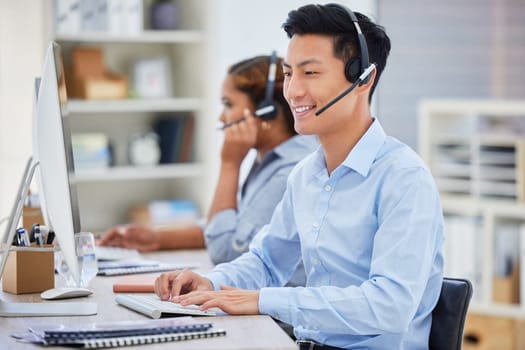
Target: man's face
313, 77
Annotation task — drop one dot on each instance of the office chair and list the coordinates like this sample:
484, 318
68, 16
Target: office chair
448, 317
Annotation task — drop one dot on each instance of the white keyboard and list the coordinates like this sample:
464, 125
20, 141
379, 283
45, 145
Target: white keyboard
150, 305
115, 253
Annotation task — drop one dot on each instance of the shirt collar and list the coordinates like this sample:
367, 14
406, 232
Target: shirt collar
365, 151
362, 156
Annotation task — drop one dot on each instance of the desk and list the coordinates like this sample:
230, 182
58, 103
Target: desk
242, 332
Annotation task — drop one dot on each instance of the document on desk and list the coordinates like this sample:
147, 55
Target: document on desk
116, 334
133, 266
151, 306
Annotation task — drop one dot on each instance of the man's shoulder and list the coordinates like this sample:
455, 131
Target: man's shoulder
398, 154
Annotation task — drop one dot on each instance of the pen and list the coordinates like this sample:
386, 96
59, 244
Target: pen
23, 238
50, 237
257, 113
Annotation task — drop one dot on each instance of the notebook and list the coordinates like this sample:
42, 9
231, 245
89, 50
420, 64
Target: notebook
116, 334
151, 306
135, 284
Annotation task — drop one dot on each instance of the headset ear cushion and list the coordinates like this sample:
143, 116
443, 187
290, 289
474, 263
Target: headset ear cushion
353, 69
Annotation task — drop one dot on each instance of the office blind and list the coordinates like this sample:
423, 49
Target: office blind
448, 49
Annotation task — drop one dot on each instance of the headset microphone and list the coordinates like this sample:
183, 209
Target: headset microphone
361, 78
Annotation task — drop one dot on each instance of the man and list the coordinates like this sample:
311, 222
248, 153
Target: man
362, 212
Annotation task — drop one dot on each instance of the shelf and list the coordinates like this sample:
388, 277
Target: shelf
147, 36
480, 139
500, 207
476, 151
138, 173
134, 105
498, 310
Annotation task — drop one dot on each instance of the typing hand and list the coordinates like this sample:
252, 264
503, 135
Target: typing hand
132, 237
231, 300
172, 284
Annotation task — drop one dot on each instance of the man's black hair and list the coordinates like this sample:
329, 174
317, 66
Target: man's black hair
333, 20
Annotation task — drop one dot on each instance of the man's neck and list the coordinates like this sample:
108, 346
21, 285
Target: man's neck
338, 144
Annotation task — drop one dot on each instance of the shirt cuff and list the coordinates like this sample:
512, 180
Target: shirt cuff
225, 220
275, 302
202, 223
216, 279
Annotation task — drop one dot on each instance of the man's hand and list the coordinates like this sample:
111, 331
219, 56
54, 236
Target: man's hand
132, 237
172, 284
234, 301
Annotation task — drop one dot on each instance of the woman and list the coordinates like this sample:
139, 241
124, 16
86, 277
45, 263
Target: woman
231, 223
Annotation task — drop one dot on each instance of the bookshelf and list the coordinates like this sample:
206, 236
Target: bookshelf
476, 152
106, 193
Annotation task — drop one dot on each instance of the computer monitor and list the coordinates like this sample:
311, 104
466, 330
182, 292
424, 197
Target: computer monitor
52, 154
52, 149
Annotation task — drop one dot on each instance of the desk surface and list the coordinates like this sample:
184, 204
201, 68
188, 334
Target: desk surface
242, 332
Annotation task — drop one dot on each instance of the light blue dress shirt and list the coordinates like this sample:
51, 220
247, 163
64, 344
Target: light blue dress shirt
370, 236
230, 231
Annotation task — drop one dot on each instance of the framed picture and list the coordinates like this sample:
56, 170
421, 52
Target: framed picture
152, 77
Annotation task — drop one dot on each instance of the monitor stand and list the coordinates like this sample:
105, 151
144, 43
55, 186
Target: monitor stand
74, 308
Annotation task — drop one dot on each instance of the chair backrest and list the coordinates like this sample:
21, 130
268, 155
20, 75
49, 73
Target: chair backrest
448, 317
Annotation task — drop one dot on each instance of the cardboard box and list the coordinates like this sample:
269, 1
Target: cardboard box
489, 333
29, 271
87, 78
507, 289
104, 88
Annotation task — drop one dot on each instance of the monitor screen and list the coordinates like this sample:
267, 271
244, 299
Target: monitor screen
52, 149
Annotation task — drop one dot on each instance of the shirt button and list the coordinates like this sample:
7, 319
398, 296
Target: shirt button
315, 224
316, 261
328, 188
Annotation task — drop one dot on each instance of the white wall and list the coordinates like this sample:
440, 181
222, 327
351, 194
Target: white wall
21, 56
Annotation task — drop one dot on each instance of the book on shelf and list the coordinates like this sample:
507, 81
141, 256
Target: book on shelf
175, 138
121, 333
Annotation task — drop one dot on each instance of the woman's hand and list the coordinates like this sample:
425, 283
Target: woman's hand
131, 236
239, 138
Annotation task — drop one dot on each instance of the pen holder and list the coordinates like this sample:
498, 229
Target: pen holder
29, 270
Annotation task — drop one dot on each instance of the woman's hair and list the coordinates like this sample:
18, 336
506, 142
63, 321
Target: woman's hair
251, 76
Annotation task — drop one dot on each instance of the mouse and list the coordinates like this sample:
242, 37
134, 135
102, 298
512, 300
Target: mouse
65, 293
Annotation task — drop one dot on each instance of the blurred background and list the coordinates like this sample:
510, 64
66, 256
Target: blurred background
144, 78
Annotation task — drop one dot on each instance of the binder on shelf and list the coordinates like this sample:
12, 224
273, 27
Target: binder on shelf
116, 334
175, 138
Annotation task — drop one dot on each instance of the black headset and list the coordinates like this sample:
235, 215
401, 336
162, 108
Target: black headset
358, 69
267, 109
358, 64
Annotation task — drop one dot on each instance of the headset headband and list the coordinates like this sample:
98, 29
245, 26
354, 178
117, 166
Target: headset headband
270, 83
363, 47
